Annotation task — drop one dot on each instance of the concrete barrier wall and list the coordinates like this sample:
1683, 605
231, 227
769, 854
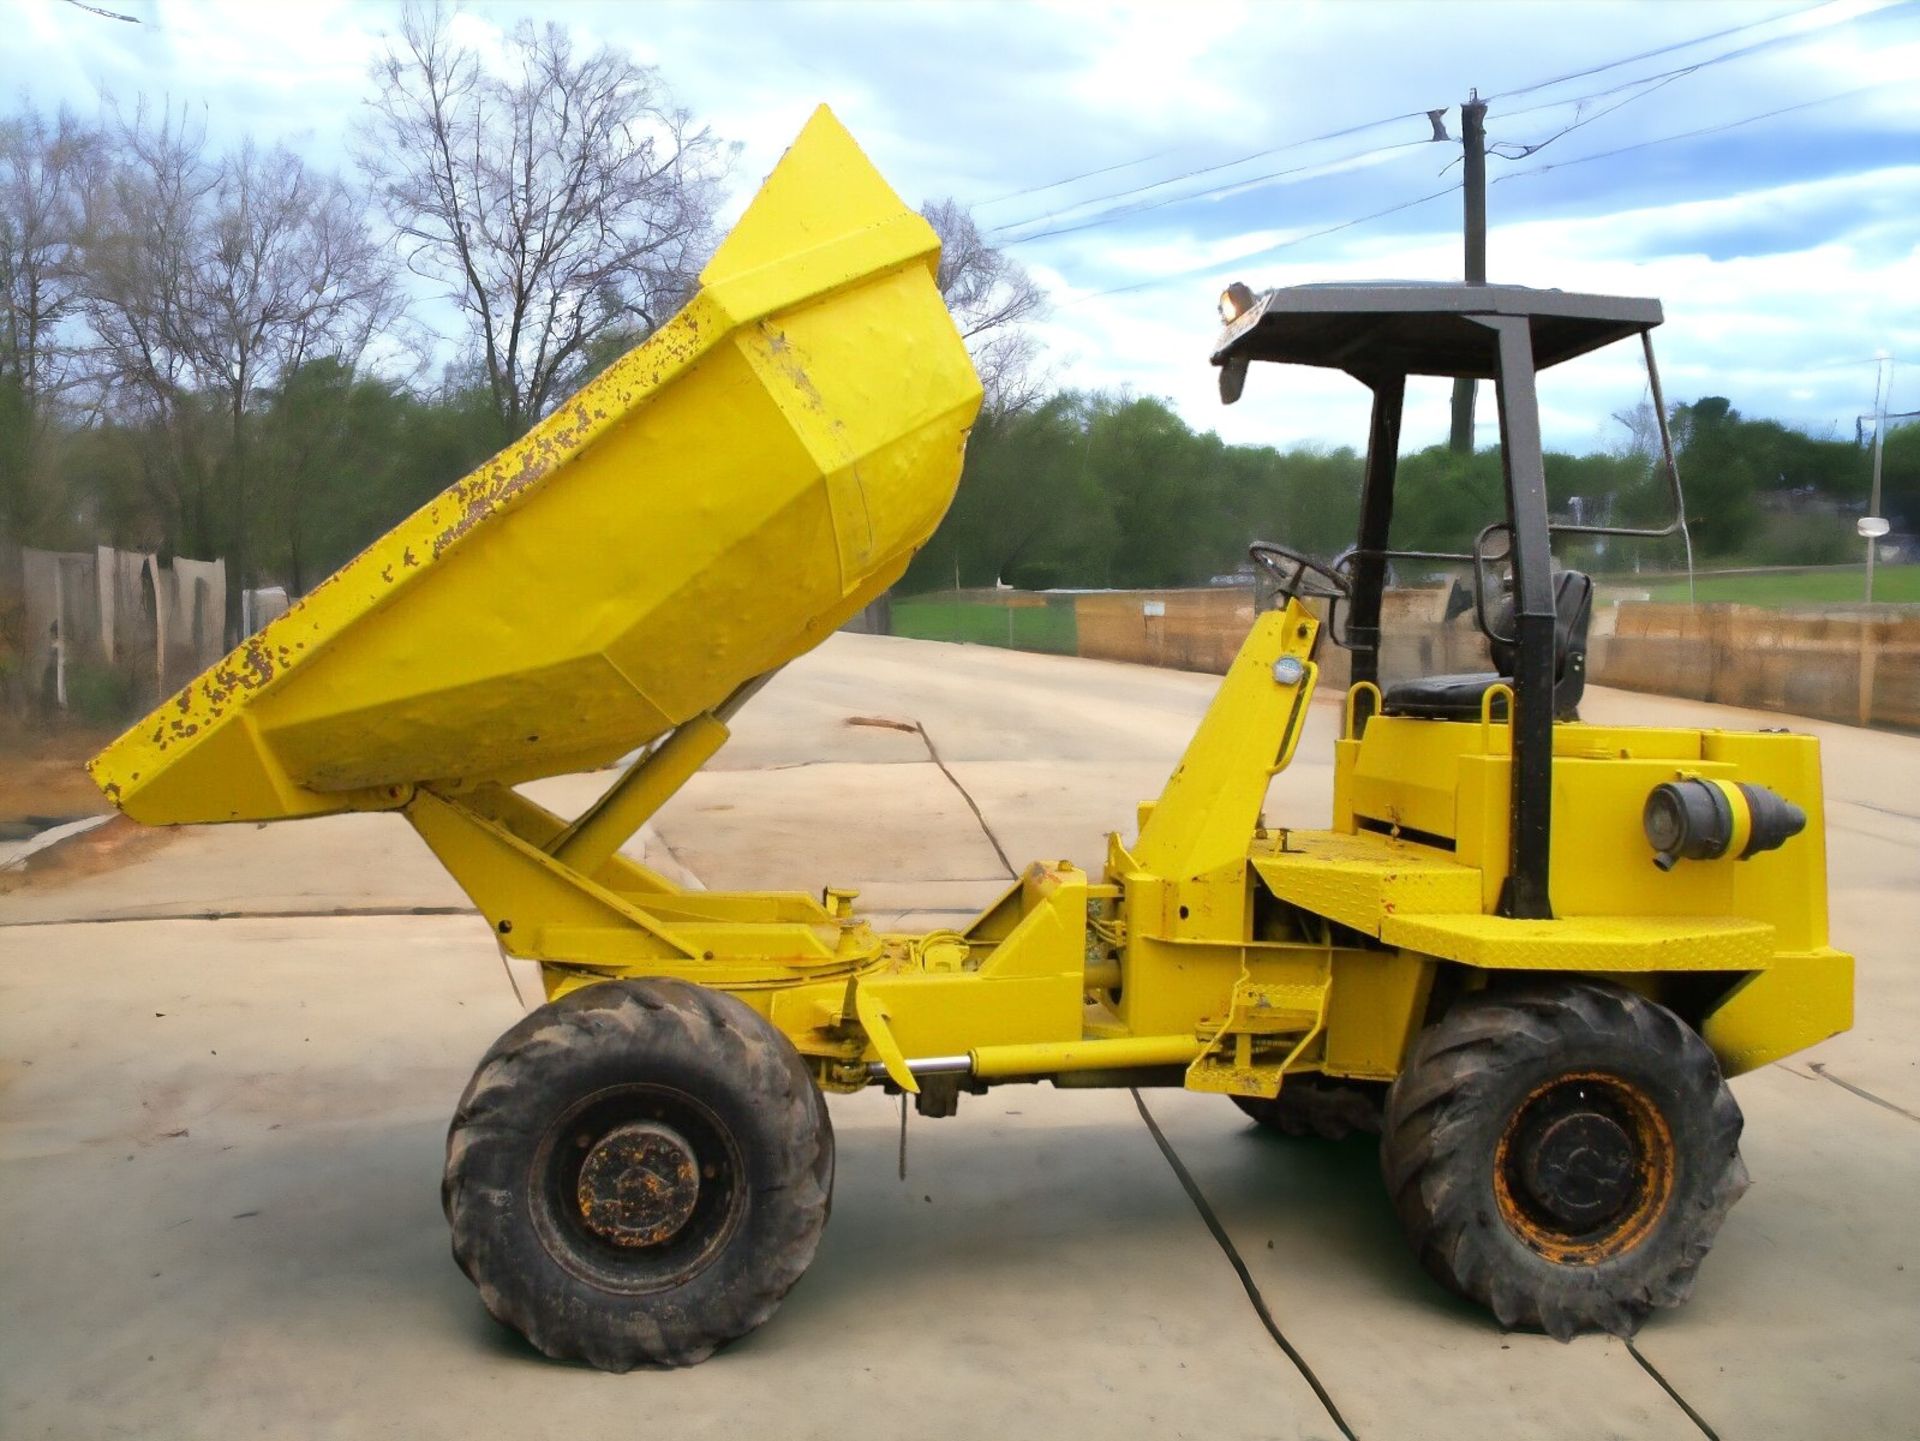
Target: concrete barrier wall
1860, 665
1202, 630
108, 622
1180, 629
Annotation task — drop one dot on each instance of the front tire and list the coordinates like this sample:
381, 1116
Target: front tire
1563, 1153
638, 1173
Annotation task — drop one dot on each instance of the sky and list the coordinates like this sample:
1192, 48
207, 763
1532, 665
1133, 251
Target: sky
1137, 157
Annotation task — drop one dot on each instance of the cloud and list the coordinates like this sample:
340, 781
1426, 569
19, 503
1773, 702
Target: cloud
1778, 246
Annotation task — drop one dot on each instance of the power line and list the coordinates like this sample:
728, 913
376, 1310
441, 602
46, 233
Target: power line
1260, 254
1288, 244
1638, 80
1068, 180
1737, 53
1661, 79
1658, 50
1122, 212
1581, 123
1651, 83
1340, 134
104, 14
1642, 86
1695, 134
1836, 364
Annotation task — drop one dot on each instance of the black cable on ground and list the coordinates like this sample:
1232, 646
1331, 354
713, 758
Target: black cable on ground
1678, 1400
980, 816
1247, 1283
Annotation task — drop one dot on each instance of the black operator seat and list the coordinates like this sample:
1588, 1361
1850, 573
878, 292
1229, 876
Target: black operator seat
1457, 697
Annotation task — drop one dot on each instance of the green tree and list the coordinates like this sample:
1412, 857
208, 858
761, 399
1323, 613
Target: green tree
345, 455
1721, 475
1900, 477
1442, 500
1028, 511
46, 169
1165, 489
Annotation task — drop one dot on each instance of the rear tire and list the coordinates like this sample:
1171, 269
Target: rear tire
638, 1173
1563, 1153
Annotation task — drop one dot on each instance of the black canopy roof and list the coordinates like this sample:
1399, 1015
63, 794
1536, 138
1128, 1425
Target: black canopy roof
1422, 328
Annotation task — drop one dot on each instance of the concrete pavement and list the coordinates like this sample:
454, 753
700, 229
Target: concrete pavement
220, 1141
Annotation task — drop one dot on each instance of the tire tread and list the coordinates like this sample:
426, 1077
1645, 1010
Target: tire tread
636, 1017
1459, 1067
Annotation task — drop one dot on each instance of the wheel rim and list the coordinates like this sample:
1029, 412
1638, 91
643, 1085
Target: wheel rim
637, 1188
1584, 1168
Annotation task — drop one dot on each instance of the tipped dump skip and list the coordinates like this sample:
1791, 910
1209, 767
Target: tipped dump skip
713, 505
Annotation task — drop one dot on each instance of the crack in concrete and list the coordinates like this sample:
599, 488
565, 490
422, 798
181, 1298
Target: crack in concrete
1881, 810
1819, 1068
1232, 1253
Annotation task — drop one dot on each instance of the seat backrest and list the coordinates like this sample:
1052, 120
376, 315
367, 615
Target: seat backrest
1572, 610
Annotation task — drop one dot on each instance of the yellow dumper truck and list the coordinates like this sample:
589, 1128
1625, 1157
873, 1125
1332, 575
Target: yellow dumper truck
1529, 950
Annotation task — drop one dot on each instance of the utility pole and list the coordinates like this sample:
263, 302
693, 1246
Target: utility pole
1883, 375
1473, 146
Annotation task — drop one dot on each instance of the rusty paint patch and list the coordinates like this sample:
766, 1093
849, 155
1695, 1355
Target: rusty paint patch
247, 669
493, 485
639, 1185
781, 351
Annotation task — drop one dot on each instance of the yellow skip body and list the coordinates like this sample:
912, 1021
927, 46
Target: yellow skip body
715, 503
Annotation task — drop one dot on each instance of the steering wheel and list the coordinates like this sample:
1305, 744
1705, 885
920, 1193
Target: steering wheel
1295, 574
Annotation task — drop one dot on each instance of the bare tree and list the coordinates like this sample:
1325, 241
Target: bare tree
209, 280
141, 239
44, 173
1642, 427
993, 299
289, 272
560, 203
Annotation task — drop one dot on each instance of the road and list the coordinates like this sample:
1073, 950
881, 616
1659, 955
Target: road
220, 1139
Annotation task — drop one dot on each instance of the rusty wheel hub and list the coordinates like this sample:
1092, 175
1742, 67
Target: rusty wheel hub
1579, 1169
1584, 1168
638, 1185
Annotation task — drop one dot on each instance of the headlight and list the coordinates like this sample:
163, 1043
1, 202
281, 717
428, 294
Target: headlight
1235, 301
